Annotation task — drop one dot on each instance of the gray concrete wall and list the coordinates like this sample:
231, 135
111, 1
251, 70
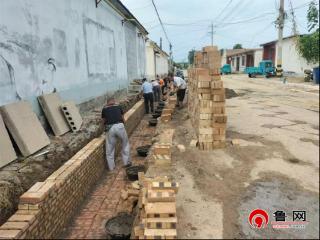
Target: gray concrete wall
69, 46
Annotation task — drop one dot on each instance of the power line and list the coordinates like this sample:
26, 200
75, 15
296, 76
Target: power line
239, 8
232, 11
143, 7
164, 30
222, 11
211, 26
260, 31
250, 19
223, 24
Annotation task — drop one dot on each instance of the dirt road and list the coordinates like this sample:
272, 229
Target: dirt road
274, 166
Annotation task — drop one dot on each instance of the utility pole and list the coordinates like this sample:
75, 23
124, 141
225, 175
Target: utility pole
279, 69
294, 22
161, 43
171, 60
211, 32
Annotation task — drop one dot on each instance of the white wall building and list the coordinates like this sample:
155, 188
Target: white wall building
157, 61
79, 50
292, 61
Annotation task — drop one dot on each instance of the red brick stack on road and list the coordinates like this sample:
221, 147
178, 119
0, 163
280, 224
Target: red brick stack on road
206, 99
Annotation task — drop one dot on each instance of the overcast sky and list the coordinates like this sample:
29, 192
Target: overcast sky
187, 22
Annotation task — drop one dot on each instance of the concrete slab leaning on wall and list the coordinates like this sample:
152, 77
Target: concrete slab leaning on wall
7, 153
51, 105
24, 127
72, 114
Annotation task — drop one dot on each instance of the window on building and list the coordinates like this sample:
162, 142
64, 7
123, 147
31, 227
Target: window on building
243, 60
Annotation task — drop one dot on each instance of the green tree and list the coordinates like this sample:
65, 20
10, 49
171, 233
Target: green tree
238, 46
191, 56
313, 16
308, 45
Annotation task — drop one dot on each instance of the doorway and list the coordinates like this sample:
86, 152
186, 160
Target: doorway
238, 64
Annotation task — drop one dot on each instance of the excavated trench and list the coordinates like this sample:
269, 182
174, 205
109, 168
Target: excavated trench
105, 201
18, 176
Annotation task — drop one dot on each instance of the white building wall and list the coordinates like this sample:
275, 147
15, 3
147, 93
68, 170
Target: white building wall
71, 46
291, 59
258, 56
224, 57
156, 64
150, 66
161, 64
242, 64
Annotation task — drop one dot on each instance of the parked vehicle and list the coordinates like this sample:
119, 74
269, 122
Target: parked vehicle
226, 69
266, 68
308, 75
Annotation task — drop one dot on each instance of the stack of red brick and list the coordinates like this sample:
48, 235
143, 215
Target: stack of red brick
168, 110
161, 150
157, 217
206, 99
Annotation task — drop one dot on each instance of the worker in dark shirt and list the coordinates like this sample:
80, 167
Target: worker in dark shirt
112, 116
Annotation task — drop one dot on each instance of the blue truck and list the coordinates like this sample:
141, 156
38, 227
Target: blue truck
266, 68
226, 69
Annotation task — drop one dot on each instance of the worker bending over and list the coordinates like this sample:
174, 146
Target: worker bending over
180, 87
112, 116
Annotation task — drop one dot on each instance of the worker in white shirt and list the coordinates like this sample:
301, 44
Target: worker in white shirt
146, 89
180, 86
156, 90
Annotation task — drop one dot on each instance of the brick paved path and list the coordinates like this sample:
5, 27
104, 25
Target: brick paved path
103, 202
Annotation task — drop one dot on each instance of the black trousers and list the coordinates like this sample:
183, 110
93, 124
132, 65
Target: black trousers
180, 94
156, 93
148, 101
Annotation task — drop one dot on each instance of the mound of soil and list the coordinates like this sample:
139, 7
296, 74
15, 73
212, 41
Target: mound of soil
230, 93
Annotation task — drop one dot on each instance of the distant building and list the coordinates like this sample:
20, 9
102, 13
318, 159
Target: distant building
157, 60
239, 59
291, 59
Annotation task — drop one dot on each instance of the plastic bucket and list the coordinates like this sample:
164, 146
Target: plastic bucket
119, 227
143, 150
132, 172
